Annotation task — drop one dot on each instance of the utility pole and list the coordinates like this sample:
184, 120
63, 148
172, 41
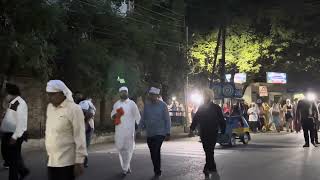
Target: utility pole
186, 94
223, 58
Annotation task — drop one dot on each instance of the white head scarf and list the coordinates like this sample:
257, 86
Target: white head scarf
84, 105
59, 86
123, 88
154, 90
87, 104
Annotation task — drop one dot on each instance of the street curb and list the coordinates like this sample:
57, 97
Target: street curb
39, 144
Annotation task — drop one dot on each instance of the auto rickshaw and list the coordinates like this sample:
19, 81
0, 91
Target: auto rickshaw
237, 128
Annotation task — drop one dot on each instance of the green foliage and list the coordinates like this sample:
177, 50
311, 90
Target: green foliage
242, 49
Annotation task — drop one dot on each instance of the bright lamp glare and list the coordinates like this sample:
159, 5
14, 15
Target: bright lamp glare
196, 98
174, 98
311, 96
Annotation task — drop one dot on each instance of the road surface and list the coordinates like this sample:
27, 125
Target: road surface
267, 157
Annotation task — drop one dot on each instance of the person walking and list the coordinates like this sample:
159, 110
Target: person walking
253, 117
3, 109
261, 118
125, 114
296, 120
307, 114
288, 109
14, 128
275, 114
65, 134
266, 109
157, 122
89, 110
210, 118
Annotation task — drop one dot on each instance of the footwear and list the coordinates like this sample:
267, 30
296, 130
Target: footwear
306, 145
124, 173
86, 165
129, 171
157, 176
5, 165
207, 175
24, 174
213, 172
314, 144
317, 142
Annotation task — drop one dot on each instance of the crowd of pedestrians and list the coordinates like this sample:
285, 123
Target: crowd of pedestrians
70, 125
265, 117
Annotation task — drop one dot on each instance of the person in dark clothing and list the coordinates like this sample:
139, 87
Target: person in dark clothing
210, 117
14, 127
307, 114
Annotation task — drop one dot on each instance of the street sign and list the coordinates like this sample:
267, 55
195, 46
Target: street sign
238, 93
263, 91
223, 90
228, 90
121, 81
217, 89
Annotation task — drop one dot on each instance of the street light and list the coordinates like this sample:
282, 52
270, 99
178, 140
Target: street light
311, 96
196, 98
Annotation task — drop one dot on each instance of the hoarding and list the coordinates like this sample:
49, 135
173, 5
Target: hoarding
239, 78
276, 78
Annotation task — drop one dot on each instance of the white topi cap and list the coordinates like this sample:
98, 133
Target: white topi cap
124, 89
154, 90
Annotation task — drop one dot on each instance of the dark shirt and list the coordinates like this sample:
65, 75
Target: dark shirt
303, 110
210, 118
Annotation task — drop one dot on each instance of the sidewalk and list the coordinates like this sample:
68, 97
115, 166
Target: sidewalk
106, 138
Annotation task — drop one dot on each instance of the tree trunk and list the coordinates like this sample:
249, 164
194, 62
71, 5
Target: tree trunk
215, 57
223, 59
103, 117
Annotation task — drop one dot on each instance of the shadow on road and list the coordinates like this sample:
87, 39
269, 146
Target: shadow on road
215, 177
254, 147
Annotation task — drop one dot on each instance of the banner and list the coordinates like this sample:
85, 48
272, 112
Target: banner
263, 91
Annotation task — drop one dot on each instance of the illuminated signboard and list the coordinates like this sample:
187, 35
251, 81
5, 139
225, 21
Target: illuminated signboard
276, 78
238, 78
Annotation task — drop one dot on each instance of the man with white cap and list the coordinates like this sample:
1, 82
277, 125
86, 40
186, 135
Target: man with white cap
156, 120
125, 114
65, 134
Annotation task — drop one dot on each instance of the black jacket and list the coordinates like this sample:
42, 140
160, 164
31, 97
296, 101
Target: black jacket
303, 109
210, 118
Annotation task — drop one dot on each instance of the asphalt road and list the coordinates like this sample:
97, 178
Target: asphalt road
267, 157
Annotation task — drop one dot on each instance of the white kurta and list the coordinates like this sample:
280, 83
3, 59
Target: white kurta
125, 131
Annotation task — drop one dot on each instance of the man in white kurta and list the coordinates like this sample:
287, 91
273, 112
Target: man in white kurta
125, 131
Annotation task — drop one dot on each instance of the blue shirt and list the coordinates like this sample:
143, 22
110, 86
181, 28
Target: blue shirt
155, 119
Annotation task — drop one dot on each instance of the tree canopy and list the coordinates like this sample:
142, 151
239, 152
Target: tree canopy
89, 43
